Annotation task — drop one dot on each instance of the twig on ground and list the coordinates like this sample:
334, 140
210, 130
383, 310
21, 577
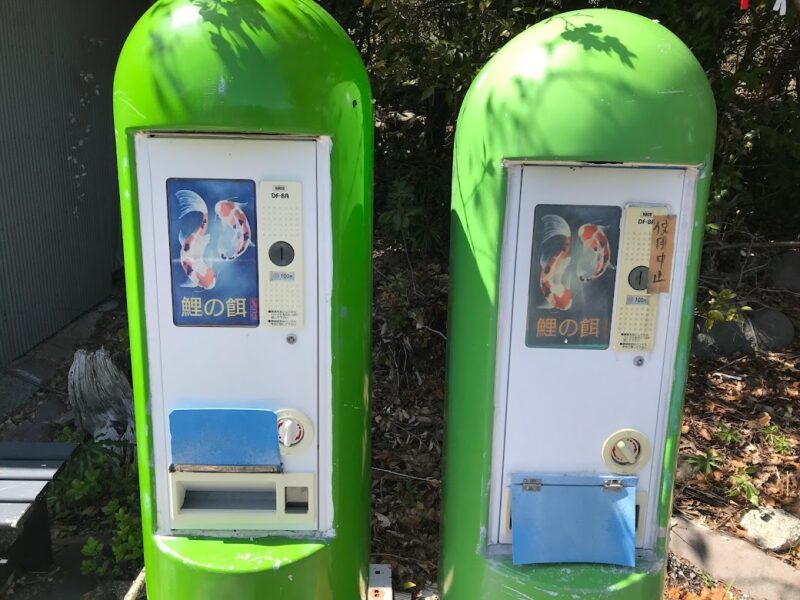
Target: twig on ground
436, 331
727, 376
136, 587
396, 473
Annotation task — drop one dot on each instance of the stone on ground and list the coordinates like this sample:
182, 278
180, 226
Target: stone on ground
772, 529
766, 330
722, 340
772, 329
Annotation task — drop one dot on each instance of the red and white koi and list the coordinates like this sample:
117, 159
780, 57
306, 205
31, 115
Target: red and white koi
193, 246
552, 283
237, 237
596, 256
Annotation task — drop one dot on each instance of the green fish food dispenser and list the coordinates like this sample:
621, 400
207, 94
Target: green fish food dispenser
244, 144
583, 153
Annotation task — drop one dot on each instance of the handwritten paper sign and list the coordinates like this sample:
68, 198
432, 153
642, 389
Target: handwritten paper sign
662, 250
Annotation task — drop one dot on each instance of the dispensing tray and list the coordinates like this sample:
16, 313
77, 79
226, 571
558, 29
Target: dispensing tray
226, 474
569, 518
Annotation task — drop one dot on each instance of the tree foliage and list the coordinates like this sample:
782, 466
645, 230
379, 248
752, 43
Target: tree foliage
423, 54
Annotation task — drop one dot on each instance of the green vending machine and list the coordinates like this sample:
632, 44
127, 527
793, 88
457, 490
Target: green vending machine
583, 154
244, 143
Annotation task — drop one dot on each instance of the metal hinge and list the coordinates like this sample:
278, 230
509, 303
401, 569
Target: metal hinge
612, 485
532, 485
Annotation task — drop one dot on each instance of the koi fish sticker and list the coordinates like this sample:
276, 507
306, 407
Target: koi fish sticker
236, 236
573, 271
212, 250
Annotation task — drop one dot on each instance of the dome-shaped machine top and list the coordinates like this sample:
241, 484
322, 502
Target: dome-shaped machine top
593, 85
283, 66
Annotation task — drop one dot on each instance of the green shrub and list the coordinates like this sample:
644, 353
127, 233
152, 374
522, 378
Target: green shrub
100, 486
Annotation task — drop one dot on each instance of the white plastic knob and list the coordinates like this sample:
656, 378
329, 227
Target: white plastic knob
290, 431
626, 451
295, 431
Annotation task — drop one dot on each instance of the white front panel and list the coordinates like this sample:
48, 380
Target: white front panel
258, 367
555, 406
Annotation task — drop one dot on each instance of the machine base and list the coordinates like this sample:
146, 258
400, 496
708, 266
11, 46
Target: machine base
502, 580
206, 568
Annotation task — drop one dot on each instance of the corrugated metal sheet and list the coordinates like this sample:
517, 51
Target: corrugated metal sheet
59, 215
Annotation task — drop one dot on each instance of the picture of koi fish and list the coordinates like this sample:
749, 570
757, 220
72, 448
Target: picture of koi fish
595, 257
236, 237
552, 281
193, 246
572, 284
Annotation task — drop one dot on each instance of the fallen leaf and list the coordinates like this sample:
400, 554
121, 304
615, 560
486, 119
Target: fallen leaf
762, 420
383, 519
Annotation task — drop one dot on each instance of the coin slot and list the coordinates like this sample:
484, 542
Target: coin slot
281, 254
296, 500
638, 278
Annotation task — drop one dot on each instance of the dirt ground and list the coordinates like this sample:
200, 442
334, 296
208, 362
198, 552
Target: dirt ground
743, 411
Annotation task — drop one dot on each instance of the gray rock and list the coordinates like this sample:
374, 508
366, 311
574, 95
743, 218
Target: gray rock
765, 330
724, 339
772, 329
785, 271
772, 529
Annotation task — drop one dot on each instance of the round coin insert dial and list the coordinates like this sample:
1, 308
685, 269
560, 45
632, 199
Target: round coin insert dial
295, 431
626, 451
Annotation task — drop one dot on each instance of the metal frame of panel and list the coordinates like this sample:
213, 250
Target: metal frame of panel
549, 372
211, 373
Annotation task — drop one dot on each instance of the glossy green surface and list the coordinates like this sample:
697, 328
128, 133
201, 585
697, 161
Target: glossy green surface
260, 66
594, 85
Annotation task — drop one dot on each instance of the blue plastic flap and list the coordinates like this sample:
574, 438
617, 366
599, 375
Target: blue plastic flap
224, 437
573, 519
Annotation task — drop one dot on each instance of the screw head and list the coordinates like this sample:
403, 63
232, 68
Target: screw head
291, 338
638, 361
